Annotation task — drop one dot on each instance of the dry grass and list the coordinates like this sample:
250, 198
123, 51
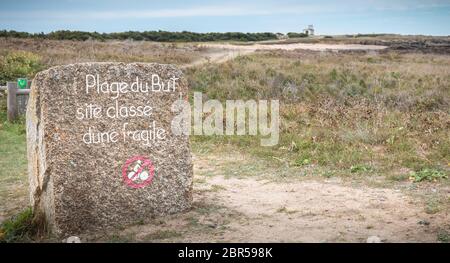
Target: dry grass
385, 112
13, 165
54, 52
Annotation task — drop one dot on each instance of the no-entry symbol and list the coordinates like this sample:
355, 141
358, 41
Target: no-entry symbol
138, 171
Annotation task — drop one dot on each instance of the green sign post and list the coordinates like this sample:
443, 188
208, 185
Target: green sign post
22, 83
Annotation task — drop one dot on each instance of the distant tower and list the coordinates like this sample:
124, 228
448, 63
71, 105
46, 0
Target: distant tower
310, 30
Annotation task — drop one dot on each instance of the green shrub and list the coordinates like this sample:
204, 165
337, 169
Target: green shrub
443, 236
427, 174
296, 35
302, 162
18, 64
162, 36
358, 168
18, 228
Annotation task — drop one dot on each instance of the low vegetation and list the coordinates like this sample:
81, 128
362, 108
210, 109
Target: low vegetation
158, 36
352, 112
18, 64
18, 228
296, 35
428, 174
13, 164
45, 53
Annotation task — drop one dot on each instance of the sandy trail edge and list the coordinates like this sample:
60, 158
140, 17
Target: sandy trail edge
220, 53
306, 46
314, 211
240, 208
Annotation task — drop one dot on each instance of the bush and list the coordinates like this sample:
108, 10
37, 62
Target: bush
19, 228
18, 64
296, 35
360, 168
163, 36
427, 174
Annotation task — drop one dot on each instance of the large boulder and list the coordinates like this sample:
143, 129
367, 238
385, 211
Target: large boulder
101, 153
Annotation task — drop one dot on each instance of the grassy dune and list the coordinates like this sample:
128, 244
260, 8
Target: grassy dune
348, 113
58, 52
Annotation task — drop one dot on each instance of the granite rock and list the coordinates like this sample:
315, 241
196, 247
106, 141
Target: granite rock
79, 185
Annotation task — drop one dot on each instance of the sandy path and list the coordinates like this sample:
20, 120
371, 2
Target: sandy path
219, 53
306, 46
313, 211
254, 208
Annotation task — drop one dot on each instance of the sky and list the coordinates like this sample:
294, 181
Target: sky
427, 17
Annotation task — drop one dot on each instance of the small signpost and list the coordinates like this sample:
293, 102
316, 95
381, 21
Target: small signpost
22, 83
17, 97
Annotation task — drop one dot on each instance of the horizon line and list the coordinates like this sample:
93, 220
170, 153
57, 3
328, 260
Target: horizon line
216, 32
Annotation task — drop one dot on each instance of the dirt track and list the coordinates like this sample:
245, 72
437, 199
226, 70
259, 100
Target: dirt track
219, 53
314, 47
255, 206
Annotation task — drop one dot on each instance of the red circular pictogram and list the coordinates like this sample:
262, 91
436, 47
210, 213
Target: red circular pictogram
138, 171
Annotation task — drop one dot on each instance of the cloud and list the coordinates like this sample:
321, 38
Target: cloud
232, 9
188, 12
204, 11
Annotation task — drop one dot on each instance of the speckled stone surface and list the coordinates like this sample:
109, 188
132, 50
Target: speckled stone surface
79, 187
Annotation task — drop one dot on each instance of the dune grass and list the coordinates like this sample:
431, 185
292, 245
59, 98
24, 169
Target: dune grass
60, 52
13, 162
357, 113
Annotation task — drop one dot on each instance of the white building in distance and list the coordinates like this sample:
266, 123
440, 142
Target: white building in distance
309, 30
